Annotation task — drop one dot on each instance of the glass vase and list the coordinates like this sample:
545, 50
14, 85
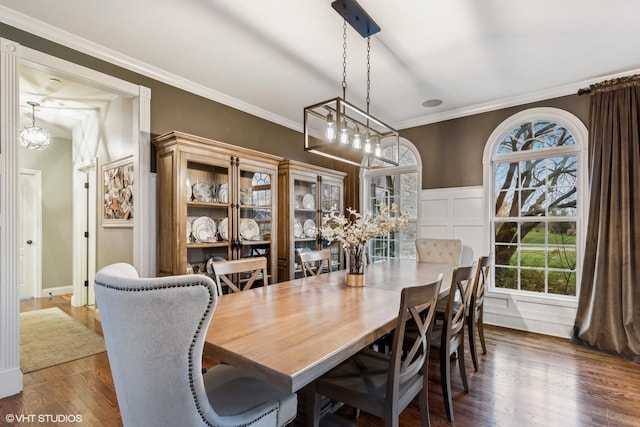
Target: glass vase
355, 266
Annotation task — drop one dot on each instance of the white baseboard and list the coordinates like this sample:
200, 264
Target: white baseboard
60, 290
10, 382
532, 313
529, 325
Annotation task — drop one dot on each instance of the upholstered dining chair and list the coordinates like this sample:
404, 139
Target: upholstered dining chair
154, 330
476, 307
254, 268
448, 332
314, 262
385, 384
445, 251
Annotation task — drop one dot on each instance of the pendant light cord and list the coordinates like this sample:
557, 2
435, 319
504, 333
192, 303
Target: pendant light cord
368, 72
344, 60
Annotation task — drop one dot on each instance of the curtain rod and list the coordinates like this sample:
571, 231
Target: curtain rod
584, 91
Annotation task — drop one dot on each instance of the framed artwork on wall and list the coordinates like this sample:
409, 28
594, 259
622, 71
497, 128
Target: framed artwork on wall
117, 193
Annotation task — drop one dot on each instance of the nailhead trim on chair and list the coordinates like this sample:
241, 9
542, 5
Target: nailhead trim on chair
193, 340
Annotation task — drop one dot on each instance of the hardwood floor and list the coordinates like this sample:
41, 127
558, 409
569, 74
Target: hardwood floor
524, 380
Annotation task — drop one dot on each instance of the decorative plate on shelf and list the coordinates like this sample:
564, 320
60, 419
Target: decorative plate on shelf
223, 229
308, 202
249, 229
204, 229
190, 236
223, 193
202, 192
189, 193
297, 230
309, 228
246, 196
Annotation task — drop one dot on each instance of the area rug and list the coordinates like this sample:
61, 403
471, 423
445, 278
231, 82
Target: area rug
50, 337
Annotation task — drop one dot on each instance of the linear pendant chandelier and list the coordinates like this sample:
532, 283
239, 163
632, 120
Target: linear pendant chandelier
338, 129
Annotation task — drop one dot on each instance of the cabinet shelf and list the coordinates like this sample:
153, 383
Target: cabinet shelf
255, 242
304, 239
208, 245
228, 170
207, 204
296, 181
255, 206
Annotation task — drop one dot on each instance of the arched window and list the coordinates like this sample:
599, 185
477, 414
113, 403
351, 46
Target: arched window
535, 165
401, 185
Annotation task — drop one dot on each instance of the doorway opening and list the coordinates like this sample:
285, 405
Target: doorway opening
81, 118
134, 137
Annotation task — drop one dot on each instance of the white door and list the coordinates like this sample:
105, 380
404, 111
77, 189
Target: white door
85, 220
92, 229
89, 216
29, 232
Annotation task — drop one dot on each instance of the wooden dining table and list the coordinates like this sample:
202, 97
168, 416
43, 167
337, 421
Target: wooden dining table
290, 333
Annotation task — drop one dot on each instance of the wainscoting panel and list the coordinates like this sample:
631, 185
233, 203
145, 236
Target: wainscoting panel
455, 213
451, 213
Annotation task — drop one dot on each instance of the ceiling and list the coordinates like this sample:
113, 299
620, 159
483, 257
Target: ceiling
63, 102
273, 58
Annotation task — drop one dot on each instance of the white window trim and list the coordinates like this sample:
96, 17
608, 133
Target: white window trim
580, 134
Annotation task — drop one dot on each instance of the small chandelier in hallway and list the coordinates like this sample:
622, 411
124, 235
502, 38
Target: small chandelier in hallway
32, 136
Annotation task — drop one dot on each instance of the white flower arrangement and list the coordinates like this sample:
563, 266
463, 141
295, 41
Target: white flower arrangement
355, 230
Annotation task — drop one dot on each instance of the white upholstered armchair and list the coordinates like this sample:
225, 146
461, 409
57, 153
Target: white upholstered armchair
154, 330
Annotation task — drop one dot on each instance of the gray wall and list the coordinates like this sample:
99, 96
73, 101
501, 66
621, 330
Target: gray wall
452, 150
57, 207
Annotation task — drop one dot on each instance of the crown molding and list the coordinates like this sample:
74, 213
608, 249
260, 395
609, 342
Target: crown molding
556, 92
72, 41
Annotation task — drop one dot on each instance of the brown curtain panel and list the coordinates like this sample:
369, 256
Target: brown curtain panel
608, 316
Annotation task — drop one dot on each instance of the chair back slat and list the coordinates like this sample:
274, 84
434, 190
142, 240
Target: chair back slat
224, 272
454, 320
481, 281
314, 262
407, 364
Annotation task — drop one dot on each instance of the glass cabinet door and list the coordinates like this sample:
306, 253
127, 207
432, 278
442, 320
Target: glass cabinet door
207, 214
255, 215
331, 198
304, 219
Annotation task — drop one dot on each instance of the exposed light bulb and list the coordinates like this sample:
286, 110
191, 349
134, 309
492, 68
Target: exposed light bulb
367, 143
378, 150
357, 139
330, 132
344, 132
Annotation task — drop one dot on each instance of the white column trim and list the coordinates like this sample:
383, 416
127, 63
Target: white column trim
10, 374
142, 255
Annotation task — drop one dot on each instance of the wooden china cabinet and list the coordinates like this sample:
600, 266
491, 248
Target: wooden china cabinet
307, 193
216, 202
